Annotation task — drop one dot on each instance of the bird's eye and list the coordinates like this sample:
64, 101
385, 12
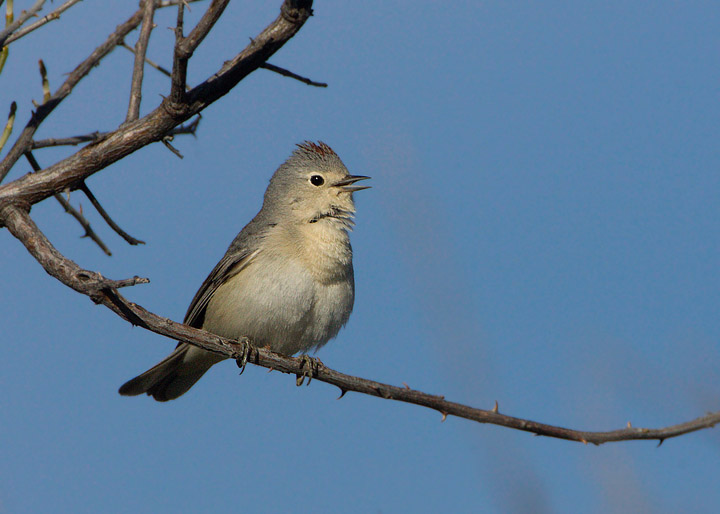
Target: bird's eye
317, 180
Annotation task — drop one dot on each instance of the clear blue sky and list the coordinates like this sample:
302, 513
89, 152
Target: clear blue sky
543, 230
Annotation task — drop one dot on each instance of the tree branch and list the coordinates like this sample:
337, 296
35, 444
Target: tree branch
132, 136
19, 22
139, 66
55, 15
67, 206
288, 73
90, 196
185, 46
24, 141
188, 128
104, 291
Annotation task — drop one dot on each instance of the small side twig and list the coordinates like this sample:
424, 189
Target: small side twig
139, 66
84, 223
188, 128
93, 200
288, 73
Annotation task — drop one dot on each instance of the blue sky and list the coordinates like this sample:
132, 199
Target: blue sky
542, 231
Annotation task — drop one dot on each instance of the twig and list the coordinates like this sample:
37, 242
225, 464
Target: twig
68, 141
127, 237
185, 46
152, 63
288, 73
24, 141
84, 223
42, 21
8, 126
20, 21
188, 128
138, 68
104, 291
178, 76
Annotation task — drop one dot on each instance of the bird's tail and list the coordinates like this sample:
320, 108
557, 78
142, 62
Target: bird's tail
174, 375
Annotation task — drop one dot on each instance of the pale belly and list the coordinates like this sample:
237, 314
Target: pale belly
281, 306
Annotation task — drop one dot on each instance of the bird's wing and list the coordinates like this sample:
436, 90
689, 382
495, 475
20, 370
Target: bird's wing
232, 263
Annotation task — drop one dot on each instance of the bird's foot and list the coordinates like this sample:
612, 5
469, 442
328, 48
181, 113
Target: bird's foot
310, 367
241, 357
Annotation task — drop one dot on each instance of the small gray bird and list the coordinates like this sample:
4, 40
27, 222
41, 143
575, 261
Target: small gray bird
286, 281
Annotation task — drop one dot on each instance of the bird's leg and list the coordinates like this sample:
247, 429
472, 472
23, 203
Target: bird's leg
310, 367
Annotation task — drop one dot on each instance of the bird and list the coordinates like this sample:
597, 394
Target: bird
286, 282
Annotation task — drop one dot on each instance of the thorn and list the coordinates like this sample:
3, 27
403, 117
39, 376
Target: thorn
583, 441
444, 417
660, 442
495, 409
629, 425
406, 386
271, 369
342, 393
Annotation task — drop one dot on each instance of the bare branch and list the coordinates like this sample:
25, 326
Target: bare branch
24, 141
127, 237
185, 46
152, 63
20, 21
68, 141
55, 15
138, 68
287, 73
72, 211
188, 128
132, 136
104, 291
178, 76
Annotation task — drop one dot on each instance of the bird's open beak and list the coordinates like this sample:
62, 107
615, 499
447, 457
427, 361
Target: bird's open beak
346, 184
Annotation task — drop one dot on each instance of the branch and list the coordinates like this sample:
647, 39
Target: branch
55, 15
139, 66
288, 73
152, 63
188, 128
90, 196
153, 127
104, 291
185, 46
24, 16
24, 141
67, 206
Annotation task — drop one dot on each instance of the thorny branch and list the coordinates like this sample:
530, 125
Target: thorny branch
104, 291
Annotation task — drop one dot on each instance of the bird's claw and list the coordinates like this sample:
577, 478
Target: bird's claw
310, 367
241, 358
